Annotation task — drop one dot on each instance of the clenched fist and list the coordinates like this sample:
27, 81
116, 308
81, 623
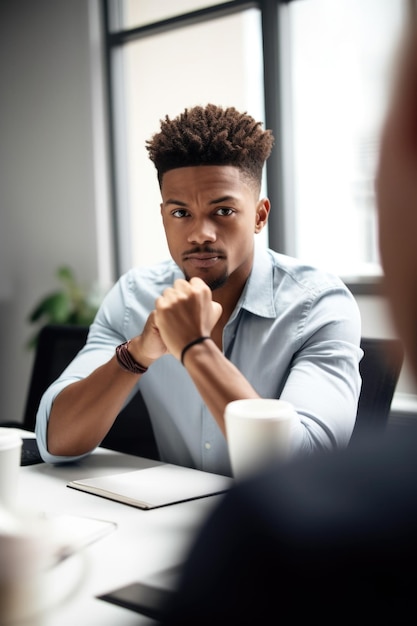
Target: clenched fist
184, 312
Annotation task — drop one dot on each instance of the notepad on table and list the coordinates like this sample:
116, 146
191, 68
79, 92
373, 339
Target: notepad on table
155, 486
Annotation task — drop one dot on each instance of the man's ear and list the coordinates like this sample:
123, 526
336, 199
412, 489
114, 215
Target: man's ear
262, 212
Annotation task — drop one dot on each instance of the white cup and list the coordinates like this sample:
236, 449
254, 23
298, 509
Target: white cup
10, 452
34, 580
22, 563
259, 431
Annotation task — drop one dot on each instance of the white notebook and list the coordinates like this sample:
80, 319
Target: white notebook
155, 486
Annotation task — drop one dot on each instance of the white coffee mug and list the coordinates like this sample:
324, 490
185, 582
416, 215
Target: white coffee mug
10, 453
34, 580
259, 431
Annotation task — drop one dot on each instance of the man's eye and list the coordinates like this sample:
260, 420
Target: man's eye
179, 213
224, 211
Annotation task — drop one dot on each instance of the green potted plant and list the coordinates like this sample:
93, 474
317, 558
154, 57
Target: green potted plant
72, 304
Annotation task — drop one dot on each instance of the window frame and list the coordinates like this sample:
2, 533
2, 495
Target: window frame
280, 222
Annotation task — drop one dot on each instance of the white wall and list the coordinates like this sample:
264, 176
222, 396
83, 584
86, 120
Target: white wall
49, 206
53, 176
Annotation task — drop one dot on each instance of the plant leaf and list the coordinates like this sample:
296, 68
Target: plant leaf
56, 307
66, 275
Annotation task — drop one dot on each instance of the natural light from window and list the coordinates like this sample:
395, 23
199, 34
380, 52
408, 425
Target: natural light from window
340, 59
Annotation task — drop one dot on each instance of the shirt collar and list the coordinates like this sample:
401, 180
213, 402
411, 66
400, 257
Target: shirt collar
258, 294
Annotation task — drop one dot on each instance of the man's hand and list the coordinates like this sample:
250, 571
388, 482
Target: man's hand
149, 346
184, 312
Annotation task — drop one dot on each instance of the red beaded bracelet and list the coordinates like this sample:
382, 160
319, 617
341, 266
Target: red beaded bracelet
127, 362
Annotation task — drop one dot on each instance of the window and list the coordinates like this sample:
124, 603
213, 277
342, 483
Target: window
315, 71
339, 58
215, 60
136, 13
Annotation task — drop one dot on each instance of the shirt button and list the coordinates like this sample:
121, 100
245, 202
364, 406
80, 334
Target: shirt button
207, 445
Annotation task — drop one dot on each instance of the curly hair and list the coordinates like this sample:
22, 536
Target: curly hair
211, 135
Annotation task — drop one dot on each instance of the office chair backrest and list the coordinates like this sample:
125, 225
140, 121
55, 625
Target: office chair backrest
380, 369
57, 345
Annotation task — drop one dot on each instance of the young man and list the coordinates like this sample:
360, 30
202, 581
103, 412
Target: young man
333, 537
223, 319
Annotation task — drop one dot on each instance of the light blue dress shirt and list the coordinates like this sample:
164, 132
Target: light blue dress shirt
294, 334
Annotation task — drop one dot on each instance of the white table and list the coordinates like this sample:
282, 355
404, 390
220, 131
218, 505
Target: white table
145, 541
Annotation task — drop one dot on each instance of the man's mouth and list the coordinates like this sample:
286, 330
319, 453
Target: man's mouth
202, 259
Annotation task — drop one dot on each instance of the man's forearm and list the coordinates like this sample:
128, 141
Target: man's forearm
83, 413
216, 378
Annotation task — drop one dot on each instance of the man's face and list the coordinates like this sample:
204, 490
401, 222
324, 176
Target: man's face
210, 214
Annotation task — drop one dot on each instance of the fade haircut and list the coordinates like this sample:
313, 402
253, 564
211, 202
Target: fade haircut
211, 135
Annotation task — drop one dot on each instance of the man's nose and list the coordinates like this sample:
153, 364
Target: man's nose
202, 231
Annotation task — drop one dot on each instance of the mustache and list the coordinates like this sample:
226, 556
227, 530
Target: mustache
203, 250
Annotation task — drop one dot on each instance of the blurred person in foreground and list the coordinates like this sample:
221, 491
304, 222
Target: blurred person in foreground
333, 538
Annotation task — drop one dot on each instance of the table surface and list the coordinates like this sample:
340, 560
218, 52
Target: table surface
144, 543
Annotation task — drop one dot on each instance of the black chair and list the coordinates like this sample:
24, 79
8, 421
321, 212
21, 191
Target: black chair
57, 345
380, 369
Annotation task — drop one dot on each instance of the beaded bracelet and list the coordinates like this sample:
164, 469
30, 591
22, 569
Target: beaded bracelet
192, 343
127, 362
